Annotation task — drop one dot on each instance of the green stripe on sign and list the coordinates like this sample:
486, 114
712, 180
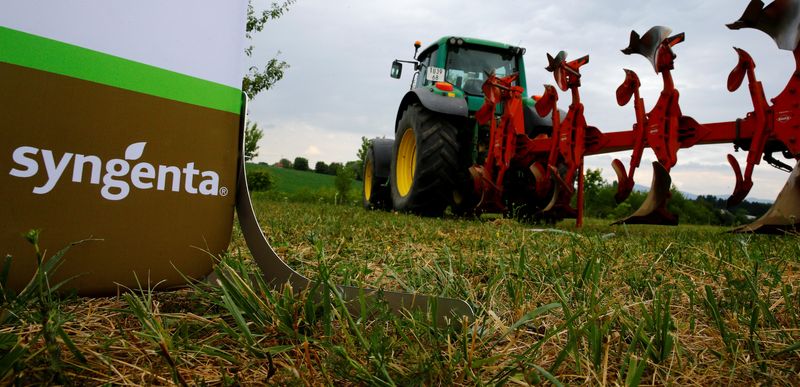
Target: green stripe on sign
23, 49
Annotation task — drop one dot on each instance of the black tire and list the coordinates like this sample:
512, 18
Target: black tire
464, 198
424, 162
376, 193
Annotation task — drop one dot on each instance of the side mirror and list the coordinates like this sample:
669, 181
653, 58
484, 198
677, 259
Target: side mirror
397, 70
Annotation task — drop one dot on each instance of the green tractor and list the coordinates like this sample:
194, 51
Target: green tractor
426, 168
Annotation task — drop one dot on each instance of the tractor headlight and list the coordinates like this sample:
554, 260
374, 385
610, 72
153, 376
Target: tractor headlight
456, 41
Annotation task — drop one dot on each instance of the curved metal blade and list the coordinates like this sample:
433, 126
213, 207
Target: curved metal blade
624, 184
558, 207
654, 208
647, 44
555, 62
556, 65
780, 20
784, 215
543, 182
276, 272
742, 187
553, 199
628, 87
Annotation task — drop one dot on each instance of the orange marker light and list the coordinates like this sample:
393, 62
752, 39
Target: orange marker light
444, 86
417, 44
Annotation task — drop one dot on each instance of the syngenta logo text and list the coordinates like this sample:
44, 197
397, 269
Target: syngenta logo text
114, 185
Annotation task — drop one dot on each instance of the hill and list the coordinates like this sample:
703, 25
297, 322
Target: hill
293, 182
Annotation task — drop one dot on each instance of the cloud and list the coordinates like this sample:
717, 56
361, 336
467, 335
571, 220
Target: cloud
293, 138
338, 88
312, 150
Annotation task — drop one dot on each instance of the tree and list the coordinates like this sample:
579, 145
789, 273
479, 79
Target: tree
356, 169
343, 182
362, 152
321, 167
257, 80
334, 168
285, 163
252, 134
593, 181
301, 164
599, 195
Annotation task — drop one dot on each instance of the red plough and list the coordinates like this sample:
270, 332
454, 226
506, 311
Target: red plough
556, 161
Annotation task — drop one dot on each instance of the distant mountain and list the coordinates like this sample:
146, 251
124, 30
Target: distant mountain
691, 196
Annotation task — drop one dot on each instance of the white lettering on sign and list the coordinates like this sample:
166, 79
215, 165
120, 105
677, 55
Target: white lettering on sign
435, 74
115, 187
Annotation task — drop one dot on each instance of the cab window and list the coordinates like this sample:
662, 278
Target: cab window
427, 59
467, 66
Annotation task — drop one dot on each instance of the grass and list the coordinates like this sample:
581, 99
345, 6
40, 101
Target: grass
621, 305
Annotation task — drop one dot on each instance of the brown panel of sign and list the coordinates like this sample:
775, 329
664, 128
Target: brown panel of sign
150, 181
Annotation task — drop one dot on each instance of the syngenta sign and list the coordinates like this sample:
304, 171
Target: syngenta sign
125, 132
115, 176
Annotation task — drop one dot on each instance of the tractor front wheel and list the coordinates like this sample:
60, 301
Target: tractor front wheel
425, 162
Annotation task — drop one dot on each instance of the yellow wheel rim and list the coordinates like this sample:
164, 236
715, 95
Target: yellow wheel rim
458, 198
406, 162
368, 180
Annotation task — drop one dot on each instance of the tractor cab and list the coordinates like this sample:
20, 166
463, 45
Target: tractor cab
463, 64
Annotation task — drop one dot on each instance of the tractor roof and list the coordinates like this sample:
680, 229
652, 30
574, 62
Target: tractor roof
478, 42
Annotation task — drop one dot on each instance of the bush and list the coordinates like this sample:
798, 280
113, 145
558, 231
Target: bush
301, 163
284, 163
343, 182
334, 167
321, 167
259, 180
356, 169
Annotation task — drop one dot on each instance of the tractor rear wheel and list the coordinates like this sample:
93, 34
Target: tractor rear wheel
425, 162
376, 194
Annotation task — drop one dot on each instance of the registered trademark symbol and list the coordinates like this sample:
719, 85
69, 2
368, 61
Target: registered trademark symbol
223, 191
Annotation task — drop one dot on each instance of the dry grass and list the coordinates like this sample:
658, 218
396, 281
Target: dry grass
603, 306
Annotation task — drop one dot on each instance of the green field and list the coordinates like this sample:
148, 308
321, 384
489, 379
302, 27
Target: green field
603, 305
304, 185
291, 181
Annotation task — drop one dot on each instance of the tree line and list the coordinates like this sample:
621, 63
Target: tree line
706, 209
353, 168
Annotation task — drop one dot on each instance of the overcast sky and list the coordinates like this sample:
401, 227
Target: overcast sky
338, 88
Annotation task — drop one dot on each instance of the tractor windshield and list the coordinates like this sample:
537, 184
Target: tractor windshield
467, 66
